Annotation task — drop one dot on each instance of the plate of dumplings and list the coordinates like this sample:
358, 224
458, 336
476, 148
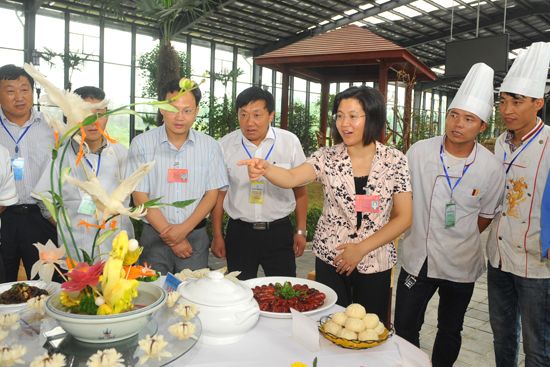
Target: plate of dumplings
354, 328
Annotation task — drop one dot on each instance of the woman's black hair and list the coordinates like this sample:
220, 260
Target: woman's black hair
374, 107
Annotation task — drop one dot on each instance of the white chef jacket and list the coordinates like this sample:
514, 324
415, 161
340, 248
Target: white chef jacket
455, 253
514, 242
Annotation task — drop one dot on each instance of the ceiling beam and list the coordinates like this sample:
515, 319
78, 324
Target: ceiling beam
512, 14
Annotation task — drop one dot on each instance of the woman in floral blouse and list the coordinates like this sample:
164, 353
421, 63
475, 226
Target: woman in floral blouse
368, 201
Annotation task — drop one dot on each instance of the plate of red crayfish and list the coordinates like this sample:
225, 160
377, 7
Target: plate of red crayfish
276, 295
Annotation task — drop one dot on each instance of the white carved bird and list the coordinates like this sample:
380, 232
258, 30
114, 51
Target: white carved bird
113, 204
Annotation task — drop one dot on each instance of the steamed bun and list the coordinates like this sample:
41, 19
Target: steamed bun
355, 325
339, 318
356, 310
371, 320
347, 334
380, 328
331, 327
368, 335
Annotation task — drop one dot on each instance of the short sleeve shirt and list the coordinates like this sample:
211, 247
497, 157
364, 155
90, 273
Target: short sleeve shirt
337, 225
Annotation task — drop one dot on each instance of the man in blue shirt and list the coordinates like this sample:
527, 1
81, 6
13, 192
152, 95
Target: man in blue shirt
188, 165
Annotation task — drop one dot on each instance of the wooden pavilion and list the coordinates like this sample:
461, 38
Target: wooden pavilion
347, 54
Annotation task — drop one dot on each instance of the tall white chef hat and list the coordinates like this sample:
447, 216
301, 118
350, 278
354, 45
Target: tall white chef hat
527, 76
475, 94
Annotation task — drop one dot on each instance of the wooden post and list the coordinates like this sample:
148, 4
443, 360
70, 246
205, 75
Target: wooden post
322, 136
284, 100
383, 87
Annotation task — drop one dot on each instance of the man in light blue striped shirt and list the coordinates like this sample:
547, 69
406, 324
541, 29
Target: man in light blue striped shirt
29, 140
188, 165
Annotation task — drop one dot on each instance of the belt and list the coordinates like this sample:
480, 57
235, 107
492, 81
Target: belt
261, 226
22, 208
201, 224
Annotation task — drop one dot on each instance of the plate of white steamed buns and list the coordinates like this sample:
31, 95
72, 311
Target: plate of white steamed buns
354, 328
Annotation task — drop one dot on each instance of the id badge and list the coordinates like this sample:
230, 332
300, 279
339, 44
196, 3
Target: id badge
87, 205
178, 175
257, 189
450, 214
367, 203
18, 166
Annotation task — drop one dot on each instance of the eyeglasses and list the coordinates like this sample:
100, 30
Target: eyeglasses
188, 111
340, 117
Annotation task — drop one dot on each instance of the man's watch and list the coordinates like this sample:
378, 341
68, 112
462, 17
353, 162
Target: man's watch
302, 232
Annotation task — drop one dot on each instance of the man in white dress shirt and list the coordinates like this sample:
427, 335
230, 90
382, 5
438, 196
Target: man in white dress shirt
518, 275
457, 189
29, 140
259, 231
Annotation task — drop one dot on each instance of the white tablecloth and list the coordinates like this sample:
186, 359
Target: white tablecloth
270, 344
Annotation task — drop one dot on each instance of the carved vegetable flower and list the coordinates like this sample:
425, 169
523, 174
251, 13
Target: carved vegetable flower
172, 298
45, 360
106, 358
83, 275
182, 330
48, 255
37, 304
11, 355
187, 311
153, 346
9, 321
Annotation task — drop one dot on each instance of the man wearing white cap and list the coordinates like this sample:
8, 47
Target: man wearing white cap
457, 190
518, 274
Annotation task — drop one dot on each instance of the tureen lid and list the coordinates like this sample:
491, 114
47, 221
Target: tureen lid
215, 290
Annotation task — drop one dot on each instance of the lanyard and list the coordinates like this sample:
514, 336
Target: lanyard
98, 164
11, 136
521, 151
268, 153
466, 167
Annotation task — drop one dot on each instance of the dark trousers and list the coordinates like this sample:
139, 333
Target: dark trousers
21, 227
272, 248
369, 290
410, 307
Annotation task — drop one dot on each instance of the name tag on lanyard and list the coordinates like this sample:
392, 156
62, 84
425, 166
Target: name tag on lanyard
18, 166
257, 191
450, 214
87, 205
367, 203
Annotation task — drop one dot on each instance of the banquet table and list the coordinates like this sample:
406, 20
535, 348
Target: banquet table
270, 344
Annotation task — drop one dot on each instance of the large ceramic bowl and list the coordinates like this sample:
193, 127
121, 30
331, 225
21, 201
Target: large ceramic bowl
227, 309
109, 328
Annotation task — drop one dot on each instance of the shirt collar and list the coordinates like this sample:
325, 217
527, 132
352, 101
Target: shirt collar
269, 136
35, 116
510, 135
471, 157
192, 136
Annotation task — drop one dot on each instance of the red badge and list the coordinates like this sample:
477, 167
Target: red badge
367, 203
177, 175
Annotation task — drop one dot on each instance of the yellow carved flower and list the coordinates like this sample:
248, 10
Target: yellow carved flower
68, 300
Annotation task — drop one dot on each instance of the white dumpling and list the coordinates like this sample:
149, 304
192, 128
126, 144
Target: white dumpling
356, 310
371, 320
339, 318
331, 327
347, 334
368, 335
355, 325
380, 328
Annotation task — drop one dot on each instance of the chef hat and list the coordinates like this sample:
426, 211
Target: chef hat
527, 76
475, 95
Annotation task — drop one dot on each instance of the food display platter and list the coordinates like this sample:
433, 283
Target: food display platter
330, 299
51, 288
